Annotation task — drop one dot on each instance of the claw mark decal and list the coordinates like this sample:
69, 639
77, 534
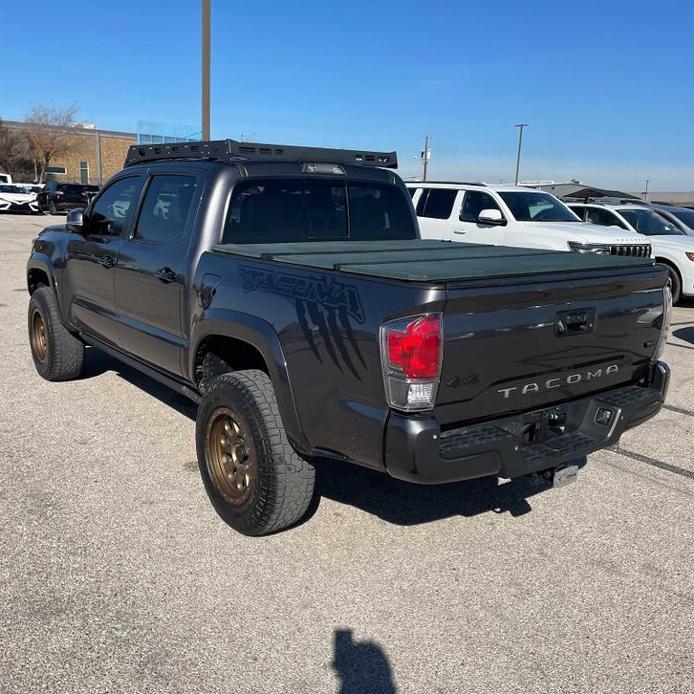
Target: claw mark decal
323, 304
316, 289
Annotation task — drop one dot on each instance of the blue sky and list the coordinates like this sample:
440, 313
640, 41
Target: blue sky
608, 87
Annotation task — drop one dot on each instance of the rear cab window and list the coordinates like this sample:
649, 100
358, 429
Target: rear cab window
291, 210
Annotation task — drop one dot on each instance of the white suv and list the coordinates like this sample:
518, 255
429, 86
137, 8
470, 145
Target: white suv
513, 216
671, 246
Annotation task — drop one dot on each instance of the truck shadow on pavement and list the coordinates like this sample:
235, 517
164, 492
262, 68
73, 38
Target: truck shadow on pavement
97, 362
361, 666
404, 503
685, 334
397, 502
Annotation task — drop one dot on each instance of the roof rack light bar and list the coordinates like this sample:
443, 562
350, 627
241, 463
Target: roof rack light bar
233, 150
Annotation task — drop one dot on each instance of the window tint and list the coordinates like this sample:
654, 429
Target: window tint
165, 208
474, 202
294, 210
379, 212
650, 223
439, 203
325, 209
684, 215
412, 191
111, 212
605, 218
529, 206
580, 211
421, 203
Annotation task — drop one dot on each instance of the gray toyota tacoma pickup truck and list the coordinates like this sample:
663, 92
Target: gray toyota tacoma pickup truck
286, 290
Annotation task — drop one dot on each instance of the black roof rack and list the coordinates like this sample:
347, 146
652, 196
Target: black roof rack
232, 150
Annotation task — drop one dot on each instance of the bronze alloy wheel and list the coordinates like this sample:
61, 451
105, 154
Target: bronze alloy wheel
39, 338
229, 457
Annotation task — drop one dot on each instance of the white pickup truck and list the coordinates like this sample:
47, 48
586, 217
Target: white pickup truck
513, 216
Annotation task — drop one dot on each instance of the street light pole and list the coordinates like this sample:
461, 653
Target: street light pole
645, 192
520, 127
206, 69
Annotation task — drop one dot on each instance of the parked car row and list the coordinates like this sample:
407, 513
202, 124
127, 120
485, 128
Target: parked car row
53, 197
672, 247
527, 218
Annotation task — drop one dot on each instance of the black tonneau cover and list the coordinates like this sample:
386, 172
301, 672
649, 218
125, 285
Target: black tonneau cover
421, 260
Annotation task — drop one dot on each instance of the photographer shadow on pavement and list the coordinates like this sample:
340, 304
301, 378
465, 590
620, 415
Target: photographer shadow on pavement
361, 666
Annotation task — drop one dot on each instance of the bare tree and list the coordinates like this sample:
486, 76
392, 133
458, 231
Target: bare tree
48, 135
15, 156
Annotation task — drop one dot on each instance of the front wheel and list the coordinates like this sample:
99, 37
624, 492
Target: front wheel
58, 355
253, 477
675, 283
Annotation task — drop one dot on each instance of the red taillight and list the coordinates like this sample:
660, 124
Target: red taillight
411, 358
416, 350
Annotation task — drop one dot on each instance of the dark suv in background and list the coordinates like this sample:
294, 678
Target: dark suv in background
60, 197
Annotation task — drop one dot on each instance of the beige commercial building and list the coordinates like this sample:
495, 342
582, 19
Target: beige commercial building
94, 157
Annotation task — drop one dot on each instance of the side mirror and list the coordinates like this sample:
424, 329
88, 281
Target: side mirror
75, 220
491, 217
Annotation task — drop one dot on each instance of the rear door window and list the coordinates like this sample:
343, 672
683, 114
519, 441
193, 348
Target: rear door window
438, 203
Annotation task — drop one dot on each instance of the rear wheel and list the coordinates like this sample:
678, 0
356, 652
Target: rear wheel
253, 477
58, 355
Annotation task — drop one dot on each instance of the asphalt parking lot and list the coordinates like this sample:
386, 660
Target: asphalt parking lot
116, 575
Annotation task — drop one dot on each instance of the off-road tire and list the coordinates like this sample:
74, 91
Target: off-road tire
282, 484
64, 353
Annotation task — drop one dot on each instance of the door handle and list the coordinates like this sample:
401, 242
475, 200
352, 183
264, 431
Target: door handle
460, 231
108, 261
166, 274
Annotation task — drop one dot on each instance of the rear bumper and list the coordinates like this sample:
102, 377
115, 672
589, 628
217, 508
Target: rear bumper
417, 450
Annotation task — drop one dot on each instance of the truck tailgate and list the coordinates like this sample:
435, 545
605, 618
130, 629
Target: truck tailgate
517, 346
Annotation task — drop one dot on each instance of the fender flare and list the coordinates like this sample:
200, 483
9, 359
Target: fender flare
259, 334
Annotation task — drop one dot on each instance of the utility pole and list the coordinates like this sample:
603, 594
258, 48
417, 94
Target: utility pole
425, 157
645, 192
520, 127
206, 69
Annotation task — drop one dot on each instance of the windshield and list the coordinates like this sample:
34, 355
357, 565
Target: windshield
537, 207
11, 189
650, 223
686, 216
